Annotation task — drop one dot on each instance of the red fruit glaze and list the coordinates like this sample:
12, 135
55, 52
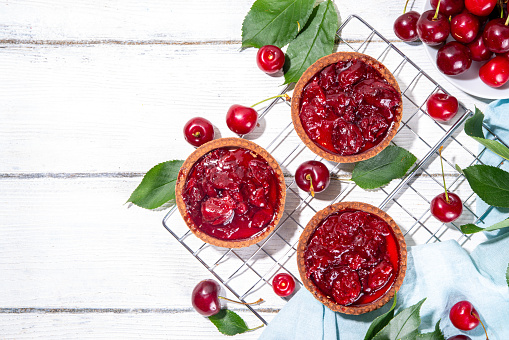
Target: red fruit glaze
241, 119
348, 107
442, 107
478, 50
198, 131
405, 26
352, 257
480, 7
283, 284
270, 59
462, 316
453, 58
465, 27
433, 31
448, 7
496, 36
317, 171
230, 194
446, 211
495, 72
205, 297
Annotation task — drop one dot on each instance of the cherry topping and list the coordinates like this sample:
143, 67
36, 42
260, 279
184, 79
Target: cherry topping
205, 297
241, 119
442, 107
495, 72
283, 284
347, 287
347, 138
496, 35
270, 59
405, 26
433, 28
312, 176
480, 7
465, 27
198, 131
448, 7
453, 58
478, 50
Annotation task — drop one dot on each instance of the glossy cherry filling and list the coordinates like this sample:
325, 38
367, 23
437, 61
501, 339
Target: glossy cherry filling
352, 257
231, 193
348, 107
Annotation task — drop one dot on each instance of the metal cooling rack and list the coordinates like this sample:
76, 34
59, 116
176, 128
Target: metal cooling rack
250, 270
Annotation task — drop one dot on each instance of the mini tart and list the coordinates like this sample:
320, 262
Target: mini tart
307, 235
316, 68
231, 144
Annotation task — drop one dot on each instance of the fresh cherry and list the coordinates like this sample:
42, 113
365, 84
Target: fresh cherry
478, 50
447, 206
453, 58
464, 316
495, 72
465, 27
480, 7
283, 284
270, 59
405, 26
198, 131
459, 337
205, 297
241, 119
505, 55
496, 35
448, 7
433, 28
312, 176
442, 107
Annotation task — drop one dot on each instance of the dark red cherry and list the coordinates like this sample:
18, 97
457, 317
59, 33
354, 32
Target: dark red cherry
478, 50
241, 119
283, 284
270, 59
312, 176
505, 55
480, 7
496, 36
448, 7
442, 107
433, 31
205, 297
495, 72
464, 316
453, 58
465, 27
446, 211
405, 26
198, 131
459, 337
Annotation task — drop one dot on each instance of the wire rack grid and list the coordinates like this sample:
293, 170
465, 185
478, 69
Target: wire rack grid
248, 270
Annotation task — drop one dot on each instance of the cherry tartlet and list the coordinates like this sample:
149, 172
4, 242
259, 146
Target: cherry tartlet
352, 257
231, 193
346, 107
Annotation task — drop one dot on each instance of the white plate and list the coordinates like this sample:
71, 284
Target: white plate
469, 80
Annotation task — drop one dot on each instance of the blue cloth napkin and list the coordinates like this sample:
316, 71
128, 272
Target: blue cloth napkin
444, 273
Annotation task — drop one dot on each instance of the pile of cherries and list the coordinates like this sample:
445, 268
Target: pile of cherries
480, 29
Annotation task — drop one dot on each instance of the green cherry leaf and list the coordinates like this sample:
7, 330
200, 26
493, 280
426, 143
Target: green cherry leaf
473, 128
157, 186
229, 322
472, 228
274, 22
490, 183
404, 325
380, 322
435, 335
315, 41
393, 162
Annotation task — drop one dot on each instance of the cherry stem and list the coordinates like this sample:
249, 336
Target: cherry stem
287, 98
254, 329
404, 9
242, 303
435, 17
197, 134
478, 318
311, 189
443, 176
507, 21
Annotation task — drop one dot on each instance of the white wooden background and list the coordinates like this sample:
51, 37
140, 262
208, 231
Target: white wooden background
93, 93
